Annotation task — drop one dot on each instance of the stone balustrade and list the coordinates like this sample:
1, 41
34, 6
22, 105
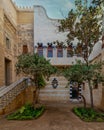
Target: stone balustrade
8, 94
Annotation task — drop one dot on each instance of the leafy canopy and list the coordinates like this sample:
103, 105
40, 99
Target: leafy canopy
83, 24
80, 72
34, 66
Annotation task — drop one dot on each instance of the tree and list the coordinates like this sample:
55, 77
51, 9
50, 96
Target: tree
98, 2
84, 24
81, 72
35, 67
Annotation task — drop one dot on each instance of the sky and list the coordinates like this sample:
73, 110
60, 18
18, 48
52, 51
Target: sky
55, 8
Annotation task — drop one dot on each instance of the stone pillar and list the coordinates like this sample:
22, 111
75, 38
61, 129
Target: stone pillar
45, 52
64, 52
54, 52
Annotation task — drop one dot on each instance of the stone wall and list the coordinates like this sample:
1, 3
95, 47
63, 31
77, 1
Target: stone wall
24, 97
97, 95
102, 100
10, 10
25, 16
59, 94
16, 25
25, 37
1, 46
97, 92
12, 52
23, 27
8, 19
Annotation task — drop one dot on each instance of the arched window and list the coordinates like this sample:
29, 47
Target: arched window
25, 49
59, 51
8, 43
40, 50
50, 51
69, 51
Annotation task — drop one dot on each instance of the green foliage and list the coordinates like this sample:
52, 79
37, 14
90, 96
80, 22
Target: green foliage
98, 2
83, 24
35, 67
74, 73
26, 112
81, 72
22, 109
41, 81
89, 114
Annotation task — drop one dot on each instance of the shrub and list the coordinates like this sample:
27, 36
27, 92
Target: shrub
89, 114
26, 112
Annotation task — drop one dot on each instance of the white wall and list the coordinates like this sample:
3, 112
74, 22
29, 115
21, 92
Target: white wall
45, 28
97, 49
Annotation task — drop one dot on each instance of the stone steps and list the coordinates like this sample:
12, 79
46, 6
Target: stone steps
54, 97
59, 83
58, 87
62, 82
54, 90
8, 94
58, 78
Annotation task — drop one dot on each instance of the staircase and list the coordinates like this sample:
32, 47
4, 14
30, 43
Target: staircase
9, 93
58, 94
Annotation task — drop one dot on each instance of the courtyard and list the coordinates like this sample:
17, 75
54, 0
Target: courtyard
62, 55
57, 116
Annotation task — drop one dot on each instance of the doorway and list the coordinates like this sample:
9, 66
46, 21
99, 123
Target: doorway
75, 91
7, 72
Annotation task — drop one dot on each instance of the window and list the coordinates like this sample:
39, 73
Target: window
40, 51
25, 49
95, 83
59, 52
8, 45
69, 51
49, 52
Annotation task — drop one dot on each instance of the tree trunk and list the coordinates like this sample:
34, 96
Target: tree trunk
36, 96
84, 100
36, 93
91, 93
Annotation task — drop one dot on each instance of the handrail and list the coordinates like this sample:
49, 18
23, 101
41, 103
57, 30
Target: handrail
9, 93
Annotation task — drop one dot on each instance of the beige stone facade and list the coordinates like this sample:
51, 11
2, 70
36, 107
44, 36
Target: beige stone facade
16, 34
26, 96
16, 30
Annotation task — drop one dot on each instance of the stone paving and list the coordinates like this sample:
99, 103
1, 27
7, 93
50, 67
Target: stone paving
56, 117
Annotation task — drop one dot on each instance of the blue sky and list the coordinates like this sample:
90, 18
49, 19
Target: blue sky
54, 8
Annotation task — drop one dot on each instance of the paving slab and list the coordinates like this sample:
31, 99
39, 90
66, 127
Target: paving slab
58, 116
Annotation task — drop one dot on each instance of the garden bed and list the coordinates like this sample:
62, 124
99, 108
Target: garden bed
26, 112
89, 114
